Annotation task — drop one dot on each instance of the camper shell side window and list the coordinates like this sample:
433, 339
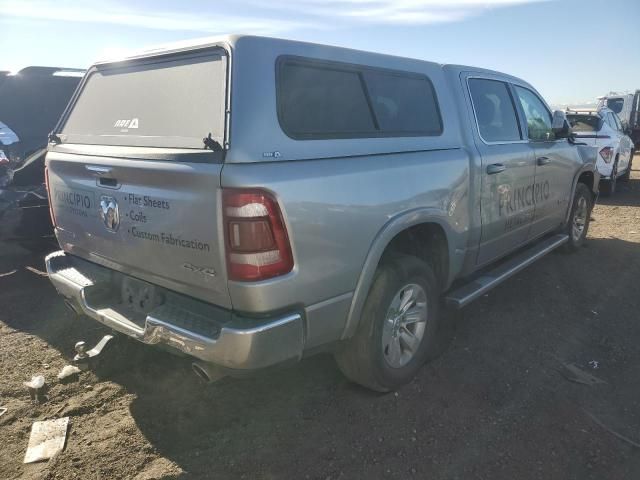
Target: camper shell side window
331, 100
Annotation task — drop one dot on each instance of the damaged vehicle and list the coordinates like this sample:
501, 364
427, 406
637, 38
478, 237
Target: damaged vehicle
31, 102
250, 201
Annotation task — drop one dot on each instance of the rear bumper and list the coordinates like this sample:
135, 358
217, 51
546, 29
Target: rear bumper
195, 328
604, 169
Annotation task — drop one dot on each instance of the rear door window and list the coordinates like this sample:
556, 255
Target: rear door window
172, 102
495, 111
321, 100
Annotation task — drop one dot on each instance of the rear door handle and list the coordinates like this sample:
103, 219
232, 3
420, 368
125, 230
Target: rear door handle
495, 168
543, 160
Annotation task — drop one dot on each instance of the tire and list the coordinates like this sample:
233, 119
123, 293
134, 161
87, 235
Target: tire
578, 224
378, 356
608, 187
627, 174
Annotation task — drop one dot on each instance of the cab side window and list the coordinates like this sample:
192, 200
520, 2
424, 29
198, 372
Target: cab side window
538, 115
494, 110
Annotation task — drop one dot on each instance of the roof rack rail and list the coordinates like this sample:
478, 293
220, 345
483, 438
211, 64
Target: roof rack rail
582, 111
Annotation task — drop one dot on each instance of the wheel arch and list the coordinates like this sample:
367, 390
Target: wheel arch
395, 233
591, 178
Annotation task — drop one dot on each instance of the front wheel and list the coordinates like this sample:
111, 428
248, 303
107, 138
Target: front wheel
398, 326
578, 224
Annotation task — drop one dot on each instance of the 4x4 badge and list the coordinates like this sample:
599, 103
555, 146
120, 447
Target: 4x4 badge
109, 213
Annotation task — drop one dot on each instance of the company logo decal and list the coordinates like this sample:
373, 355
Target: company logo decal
109, 213
126, 123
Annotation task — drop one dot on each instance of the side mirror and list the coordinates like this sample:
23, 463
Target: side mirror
560, 125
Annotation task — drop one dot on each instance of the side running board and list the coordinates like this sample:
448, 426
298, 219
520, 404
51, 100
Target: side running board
465, 294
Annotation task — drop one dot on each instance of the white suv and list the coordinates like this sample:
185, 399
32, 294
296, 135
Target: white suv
603, 129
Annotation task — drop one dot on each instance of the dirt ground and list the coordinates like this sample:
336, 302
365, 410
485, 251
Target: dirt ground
496, 405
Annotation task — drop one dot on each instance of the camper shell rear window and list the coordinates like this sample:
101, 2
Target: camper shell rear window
173, 101
329, 100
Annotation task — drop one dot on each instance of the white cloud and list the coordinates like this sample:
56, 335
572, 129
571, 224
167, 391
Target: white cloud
266, 17
392, 12
96, 11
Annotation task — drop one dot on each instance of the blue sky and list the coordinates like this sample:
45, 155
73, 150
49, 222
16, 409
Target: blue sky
571, 50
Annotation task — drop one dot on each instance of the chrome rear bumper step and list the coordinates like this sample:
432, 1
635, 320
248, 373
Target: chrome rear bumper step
465, 294
202, 330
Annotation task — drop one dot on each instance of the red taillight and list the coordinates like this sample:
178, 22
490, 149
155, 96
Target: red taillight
606, 153
46, 183
257, 244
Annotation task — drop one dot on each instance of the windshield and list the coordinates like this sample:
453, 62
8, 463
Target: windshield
615, 104
171, 102
584, 123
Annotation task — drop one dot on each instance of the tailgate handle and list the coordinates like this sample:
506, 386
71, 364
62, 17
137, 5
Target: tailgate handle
98, 170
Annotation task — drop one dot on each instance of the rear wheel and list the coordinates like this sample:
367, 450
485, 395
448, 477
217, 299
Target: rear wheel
608, 187
398, 326
578, 224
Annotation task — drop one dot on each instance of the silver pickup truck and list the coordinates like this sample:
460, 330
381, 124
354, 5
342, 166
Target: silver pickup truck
250, 201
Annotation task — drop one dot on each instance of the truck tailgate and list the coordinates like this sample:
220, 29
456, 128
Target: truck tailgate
151, 219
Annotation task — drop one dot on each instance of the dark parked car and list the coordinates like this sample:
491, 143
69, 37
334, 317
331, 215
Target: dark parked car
31, 102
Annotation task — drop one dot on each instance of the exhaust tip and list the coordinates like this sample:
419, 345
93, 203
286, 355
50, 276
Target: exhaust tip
207, 372
199, 371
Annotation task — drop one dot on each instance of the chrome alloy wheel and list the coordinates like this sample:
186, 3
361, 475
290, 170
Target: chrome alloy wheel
404, 325
579, 219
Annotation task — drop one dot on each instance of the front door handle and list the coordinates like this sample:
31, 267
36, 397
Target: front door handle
495, 168
543, 160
